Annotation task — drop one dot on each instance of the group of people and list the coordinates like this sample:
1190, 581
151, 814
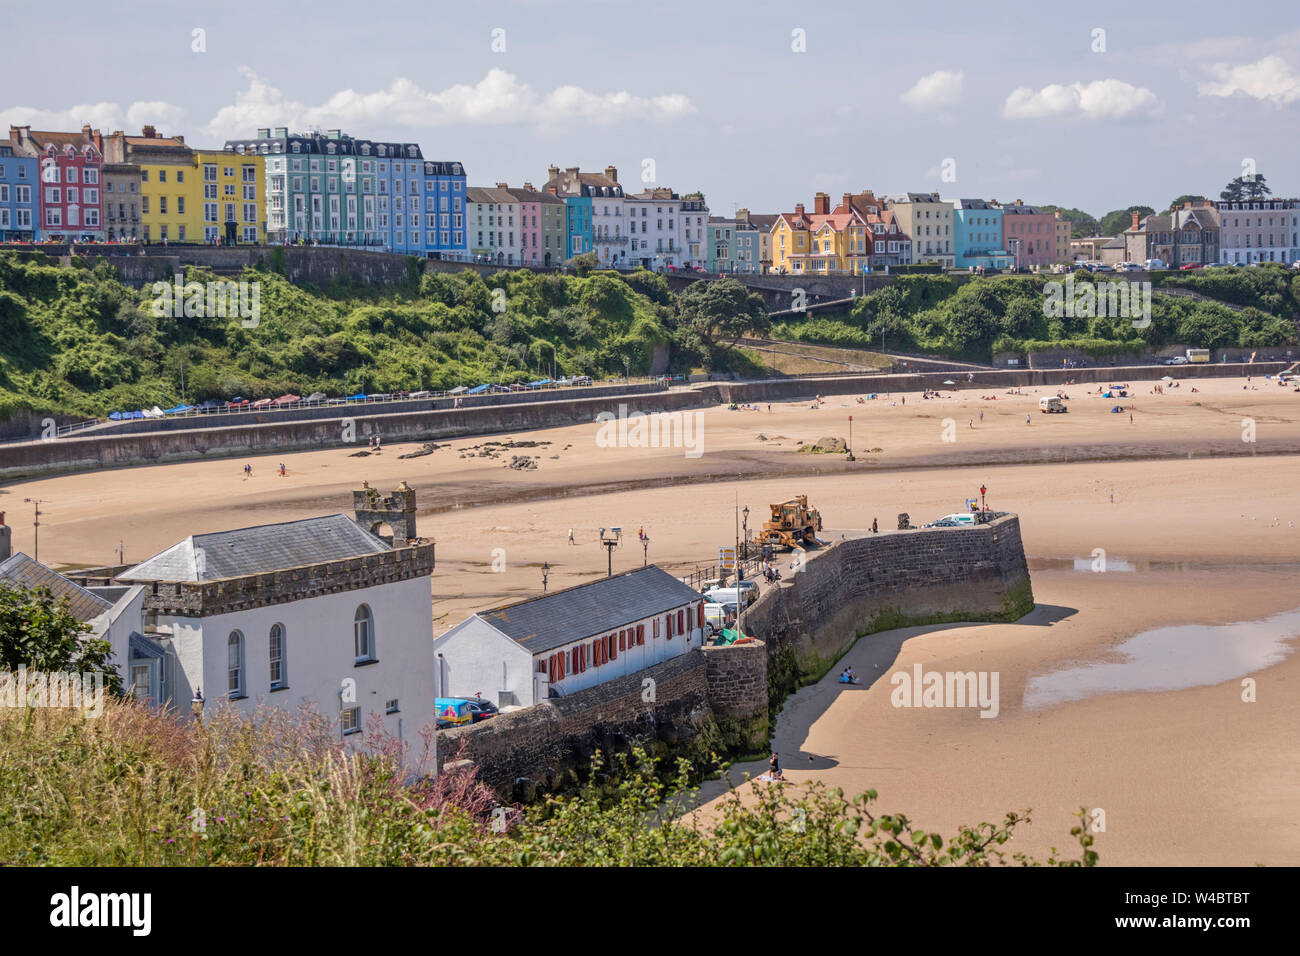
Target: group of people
849, 676
282, 471
771, 572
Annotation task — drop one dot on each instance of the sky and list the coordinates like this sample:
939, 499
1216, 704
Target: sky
757, 104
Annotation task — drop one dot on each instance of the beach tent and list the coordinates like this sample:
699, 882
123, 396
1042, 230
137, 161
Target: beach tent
262, 403
134, 415
179, 408
114, 416
1117, 409
459, 389
358, 397
286, 400
479, 389
154, 412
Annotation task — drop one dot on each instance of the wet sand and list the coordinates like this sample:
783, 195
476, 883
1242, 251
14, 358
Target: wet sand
1191, 776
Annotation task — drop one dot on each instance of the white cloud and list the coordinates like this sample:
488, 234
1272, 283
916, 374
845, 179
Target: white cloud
1272, 79
935, 91
104, 116
498, 98
1100, 99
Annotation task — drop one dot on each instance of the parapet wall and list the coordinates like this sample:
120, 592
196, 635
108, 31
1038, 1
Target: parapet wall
977, 573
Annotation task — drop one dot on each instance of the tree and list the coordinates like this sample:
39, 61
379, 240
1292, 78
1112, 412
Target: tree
719, 310
1246, 188
1081, 223
1116, 221
40, 633
1186, 198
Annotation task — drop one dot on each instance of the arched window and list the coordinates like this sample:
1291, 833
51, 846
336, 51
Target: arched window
363, 634
279, 677
235, 664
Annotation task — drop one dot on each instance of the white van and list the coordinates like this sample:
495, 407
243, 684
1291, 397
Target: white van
744, 595
1155, 264
716, 617
1051, 404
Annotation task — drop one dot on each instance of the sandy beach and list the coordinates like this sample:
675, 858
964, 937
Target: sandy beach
1198, 527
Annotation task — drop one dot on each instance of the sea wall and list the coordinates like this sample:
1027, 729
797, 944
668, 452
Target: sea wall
886, 580
84, 452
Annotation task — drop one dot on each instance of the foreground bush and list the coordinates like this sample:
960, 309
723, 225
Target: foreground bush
134, 789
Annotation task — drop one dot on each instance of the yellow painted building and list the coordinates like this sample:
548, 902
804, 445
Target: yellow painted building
194, 195
824, 243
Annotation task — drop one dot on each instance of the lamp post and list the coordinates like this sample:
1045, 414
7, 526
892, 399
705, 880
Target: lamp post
983, 506
196, 703
36, 525
609, 542
850, 449
546, 570
645, 550
745, 538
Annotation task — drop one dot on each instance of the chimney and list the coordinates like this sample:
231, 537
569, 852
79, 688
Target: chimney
742, 215
264, 132
1019, 202
847, 200
798, 209
1135, 220
503, 185
85, 130
281, 132
571, 172
821, 204
148, 132
1187, 204
612, 172
529, 186
552, 172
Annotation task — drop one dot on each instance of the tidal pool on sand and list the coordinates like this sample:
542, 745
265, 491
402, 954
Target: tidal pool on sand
1172, 658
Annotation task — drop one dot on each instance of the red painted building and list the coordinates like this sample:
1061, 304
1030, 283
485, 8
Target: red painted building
71, 202
1029, 234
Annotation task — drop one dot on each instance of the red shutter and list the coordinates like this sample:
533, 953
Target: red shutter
640, 634
681, 621
700, 616
622, 640
613, 646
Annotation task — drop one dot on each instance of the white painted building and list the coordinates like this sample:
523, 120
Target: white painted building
558, 643
495, 231
1259, 230
316, 611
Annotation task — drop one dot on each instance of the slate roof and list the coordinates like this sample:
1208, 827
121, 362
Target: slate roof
256, 550
22, 570
544, 623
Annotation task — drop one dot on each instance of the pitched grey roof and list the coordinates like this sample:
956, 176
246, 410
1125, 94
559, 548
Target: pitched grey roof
544, 623
266, 547
142, 647
25, 572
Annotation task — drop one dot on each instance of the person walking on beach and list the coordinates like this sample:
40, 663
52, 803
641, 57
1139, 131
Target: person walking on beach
1028, 420
248, 471
282, 471
571, 541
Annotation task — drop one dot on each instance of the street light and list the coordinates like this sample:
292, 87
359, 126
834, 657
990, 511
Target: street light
36, 524
745, 539
546, 570
196, 703
609, 542
983, 505
645, 550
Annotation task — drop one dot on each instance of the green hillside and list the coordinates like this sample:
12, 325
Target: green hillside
79, 341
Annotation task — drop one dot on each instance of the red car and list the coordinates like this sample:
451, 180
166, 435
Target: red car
1191, 265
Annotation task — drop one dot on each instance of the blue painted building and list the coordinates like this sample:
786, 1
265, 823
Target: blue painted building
977, 235
19, 218
421, 203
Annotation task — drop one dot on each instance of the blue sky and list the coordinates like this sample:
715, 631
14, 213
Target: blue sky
1016, 100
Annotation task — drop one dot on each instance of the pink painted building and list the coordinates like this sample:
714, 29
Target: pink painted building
530, 217
1028, 234
71, 200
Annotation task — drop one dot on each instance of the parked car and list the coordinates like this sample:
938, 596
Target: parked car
716, 616
481, 709
1176, 360
1155, 264
1128, 267
1190, 265
733, 595
1051, 403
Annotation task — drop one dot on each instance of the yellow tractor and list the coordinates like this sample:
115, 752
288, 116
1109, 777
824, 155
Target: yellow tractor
793, 525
